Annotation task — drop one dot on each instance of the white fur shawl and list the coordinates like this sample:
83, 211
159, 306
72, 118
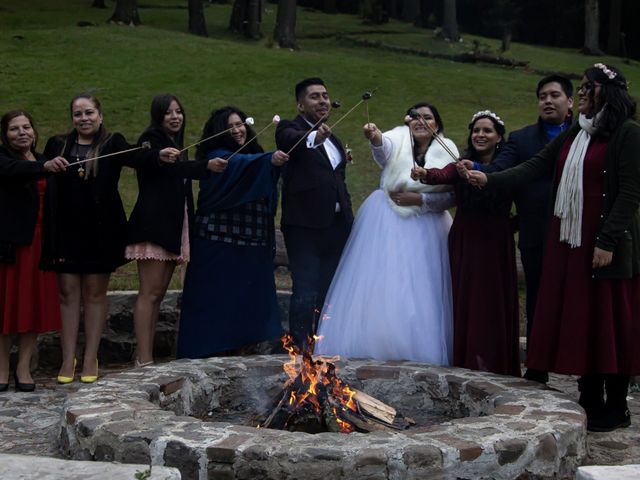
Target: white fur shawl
397, 171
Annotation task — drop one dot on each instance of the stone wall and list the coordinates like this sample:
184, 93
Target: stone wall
513, 429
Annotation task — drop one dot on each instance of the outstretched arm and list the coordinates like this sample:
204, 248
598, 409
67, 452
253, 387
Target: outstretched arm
436, 176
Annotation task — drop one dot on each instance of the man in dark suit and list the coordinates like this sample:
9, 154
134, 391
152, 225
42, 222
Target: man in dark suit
555, 100
316, 206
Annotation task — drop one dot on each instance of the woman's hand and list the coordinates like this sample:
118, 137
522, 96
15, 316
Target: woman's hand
278, 158
373, 134
477, 178
463, 166
217, 164
418, 173
406, 199
58, 164
601, 258
169, 155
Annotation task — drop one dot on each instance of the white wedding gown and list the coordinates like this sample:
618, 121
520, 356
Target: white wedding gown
390, 298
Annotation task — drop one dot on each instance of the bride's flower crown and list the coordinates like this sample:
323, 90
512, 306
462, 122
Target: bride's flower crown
487, 113
606, 70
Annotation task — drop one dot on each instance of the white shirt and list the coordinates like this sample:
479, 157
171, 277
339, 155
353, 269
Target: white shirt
333, 152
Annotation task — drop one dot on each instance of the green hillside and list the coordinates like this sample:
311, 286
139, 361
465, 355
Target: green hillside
46, 58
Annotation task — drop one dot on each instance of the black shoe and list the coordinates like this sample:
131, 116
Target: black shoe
4, 387
609, 421
23, 387
536, 375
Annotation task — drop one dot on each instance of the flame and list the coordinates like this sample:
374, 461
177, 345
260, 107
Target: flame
312, 378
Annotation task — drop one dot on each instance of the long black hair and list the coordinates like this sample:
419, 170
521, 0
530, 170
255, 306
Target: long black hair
614, 102
159, 107
219, 122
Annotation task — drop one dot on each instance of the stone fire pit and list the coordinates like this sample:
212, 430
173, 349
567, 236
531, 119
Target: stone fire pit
495, 427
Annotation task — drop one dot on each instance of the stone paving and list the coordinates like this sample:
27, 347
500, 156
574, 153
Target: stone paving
30, 422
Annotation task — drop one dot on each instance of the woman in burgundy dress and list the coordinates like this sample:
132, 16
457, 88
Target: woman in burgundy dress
482, 257
28, 296
587, 318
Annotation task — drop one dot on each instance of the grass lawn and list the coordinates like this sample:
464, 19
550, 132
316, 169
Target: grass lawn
45, 59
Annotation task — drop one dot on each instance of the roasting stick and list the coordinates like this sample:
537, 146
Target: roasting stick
144, 146
248, 121
414, 114
274, 121
334, 104
365, 96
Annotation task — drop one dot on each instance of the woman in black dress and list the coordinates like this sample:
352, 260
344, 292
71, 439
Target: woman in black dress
85, 233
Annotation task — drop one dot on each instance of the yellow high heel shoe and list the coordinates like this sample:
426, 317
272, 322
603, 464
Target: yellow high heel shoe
90, 378
64, 380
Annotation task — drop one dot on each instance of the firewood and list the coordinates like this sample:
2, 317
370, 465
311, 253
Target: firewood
375, 407
278, 415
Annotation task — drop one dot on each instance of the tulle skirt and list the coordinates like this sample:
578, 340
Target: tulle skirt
390, 298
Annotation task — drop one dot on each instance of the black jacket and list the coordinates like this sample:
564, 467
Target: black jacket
620, 214
532, 199
19, 201
158, 214
310, 185
84, 229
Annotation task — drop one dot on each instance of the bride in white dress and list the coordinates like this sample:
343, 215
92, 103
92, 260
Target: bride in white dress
390, 298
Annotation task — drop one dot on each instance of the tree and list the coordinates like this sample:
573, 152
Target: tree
98, 4
591, 28
126, 12
197, 24
373, 11
330, 6
246, 17
410, 11
285, 31
615, 20
450, 22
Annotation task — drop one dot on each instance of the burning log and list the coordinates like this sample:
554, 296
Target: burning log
315, 399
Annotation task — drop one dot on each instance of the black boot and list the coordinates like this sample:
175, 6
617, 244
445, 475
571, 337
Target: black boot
616, 412
591, 388
536, 375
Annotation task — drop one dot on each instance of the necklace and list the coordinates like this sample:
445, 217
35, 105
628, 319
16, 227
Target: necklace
80, 166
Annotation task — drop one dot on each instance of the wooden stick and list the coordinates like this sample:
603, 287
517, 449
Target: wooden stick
365, 96
346, 114
435, 135
248, 121
375, 407
247, 143
144, 146
306, 134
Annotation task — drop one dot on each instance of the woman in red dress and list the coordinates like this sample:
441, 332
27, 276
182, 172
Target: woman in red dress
482, 257
28, 296
587, 319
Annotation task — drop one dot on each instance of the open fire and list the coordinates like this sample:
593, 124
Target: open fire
315, 399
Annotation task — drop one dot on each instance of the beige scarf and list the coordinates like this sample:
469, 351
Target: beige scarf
397, 172
570, 197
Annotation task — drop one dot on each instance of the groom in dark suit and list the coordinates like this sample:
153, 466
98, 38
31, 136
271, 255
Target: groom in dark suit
316, 206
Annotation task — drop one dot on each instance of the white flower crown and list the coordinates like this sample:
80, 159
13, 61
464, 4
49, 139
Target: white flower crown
487, 113
606, 70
